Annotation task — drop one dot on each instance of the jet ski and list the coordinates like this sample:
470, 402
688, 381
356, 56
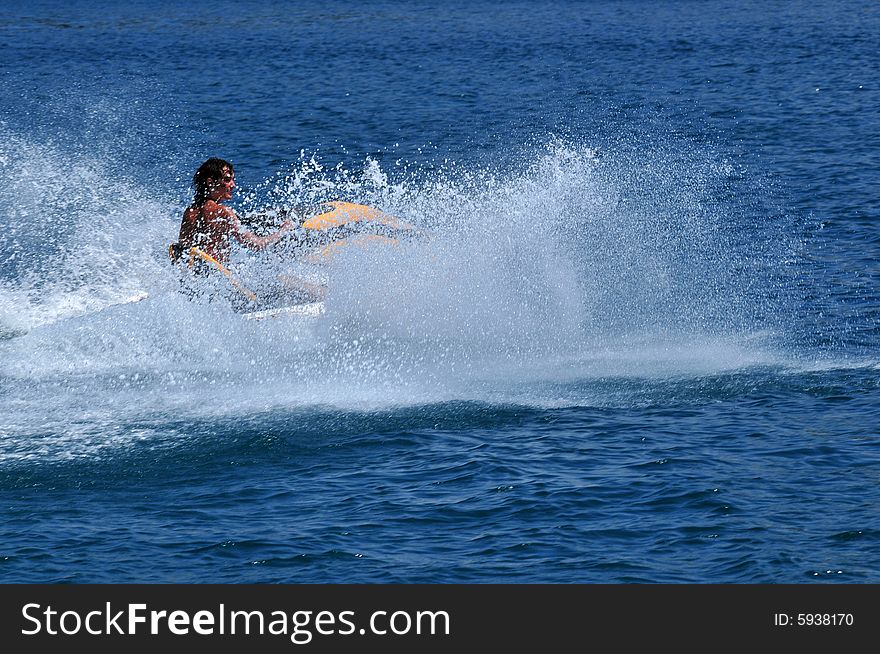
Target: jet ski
321, 234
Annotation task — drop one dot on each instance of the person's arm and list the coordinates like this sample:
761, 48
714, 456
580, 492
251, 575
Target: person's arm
251, 240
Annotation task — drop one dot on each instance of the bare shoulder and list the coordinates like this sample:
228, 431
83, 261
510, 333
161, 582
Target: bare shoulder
190, 214
216, 211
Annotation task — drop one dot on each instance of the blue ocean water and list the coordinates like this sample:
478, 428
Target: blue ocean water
639, 345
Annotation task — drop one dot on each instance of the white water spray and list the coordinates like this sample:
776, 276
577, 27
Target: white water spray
570, 266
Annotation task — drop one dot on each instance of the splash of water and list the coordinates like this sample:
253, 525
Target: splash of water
76, 237
574, 263
570, 260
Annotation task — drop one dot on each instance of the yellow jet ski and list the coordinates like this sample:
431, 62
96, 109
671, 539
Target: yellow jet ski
327, 230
